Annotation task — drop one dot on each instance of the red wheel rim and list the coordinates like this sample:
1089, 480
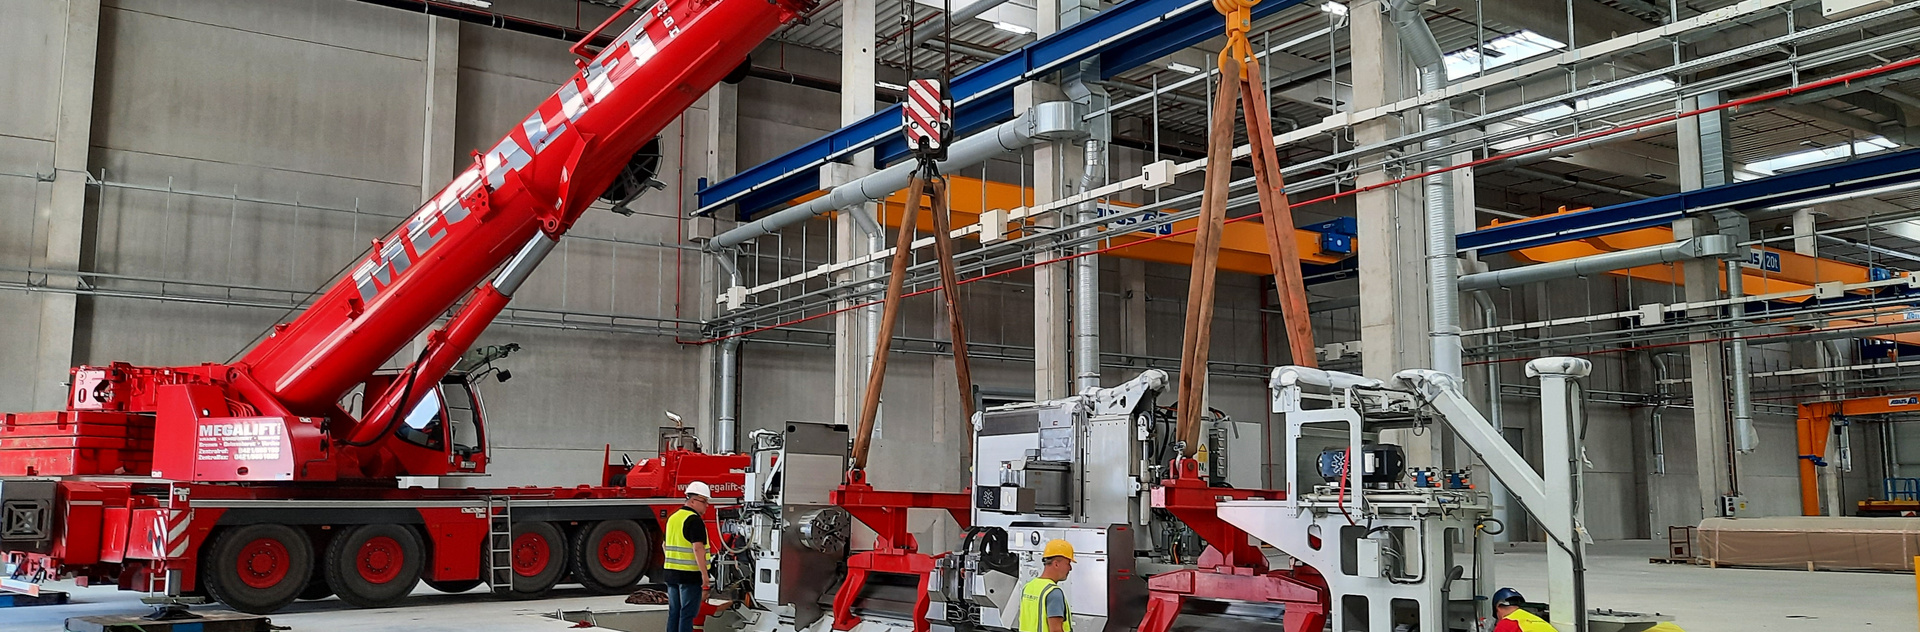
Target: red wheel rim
380, 559
616, 551
530, 554
263, 563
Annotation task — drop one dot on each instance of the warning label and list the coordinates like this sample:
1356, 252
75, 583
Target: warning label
241, 441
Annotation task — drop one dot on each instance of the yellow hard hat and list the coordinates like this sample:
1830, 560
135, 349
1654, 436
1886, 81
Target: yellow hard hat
1057, 548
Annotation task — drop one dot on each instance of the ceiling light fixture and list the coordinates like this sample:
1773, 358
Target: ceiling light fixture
1180, 67
484, 4
1334, 8
1013, 28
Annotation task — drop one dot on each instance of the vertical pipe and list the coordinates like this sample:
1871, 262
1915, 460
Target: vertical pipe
1086, 277
1745, 439
728, 424
1502, 506
1416, 38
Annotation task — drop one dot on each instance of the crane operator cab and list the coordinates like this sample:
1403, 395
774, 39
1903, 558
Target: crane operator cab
444, 434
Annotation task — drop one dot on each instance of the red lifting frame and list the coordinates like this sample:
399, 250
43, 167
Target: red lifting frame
1231, 568
894, 549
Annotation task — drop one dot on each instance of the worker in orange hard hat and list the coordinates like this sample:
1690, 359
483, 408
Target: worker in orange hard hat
1043, 604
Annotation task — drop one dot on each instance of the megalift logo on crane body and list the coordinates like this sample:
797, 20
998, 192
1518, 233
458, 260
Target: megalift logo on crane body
429, 225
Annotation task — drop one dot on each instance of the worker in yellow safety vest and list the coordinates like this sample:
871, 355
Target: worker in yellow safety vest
685, 563
1513, 618
1043, 604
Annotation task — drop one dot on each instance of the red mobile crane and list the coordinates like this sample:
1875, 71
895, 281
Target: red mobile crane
250, 481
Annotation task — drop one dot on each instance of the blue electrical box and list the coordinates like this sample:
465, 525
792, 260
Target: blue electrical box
1335, 244
1340, 225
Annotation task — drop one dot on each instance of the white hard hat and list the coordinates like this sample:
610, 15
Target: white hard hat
700, 489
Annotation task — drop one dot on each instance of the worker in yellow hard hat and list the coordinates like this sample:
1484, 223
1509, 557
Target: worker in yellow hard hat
1043, 604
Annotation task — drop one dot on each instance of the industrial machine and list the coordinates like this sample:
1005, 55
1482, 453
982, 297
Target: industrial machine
259, 482
787, 543
1397, 556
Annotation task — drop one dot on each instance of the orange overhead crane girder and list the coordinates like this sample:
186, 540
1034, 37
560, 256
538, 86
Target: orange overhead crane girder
1243, 246
1814, 428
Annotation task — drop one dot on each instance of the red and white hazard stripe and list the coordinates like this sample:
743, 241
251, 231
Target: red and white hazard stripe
170, 532
925, 113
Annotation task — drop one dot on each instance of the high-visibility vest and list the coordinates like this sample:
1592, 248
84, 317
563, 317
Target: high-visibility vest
1033, 606
1528, 622
678, 549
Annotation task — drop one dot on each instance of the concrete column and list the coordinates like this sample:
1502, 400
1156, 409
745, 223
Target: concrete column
722, 131
719, 159
1703, 163
63, 208
1804, 241
1393, 286
851, 349
1707, 368
1821, 354
438, 153
1055, 167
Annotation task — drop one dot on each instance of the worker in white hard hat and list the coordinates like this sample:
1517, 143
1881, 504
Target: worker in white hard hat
1043, 604
685, 566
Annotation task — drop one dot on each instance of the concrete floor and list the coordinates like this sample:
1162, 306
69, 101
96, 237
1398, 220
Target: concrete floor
1701, 599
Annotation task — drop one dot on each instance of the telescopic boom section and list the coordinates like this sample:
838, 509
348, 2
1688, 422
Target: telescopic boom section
528, 189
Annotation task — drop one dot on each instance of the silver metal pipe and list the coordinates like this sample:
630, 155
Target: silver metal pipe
1695, 248
1502, 505
1745, 438
1051, 121
728, 426
1086, 277
1443, 335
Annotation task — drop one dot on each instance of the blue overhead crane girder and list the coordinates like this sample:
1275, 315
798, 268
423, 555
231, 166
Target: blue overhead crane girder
1851, 177
1125, 36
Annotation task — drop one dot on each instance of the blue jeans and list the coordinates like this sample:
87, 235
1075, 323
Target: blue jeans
683, 604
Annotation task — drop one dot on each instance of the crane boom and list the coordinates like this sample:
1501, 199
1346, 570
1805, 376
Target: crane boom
276, 413
535, 181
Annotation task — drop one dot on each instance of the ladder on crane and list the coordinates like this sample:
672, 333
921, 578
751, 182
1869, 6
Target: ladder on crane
499, 544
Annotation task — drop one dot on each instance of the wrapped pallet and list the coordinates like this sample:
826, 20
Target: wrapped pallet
1811, 543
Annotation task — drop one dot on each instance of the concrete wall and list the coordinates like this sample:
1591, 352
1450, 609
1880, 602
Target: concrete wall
260, 146
247, 151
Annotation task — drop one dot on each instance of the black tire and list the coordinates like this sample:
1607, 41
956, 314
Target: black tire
259, 568
539, 558
609, 556
453, 586
375, 565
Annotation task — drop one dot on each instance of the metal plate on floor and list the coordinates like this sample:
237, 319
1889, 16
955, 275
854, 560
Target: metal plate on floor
208, 622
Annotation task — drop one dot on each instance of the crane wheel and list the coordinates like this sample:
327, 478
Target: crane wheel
539, 554
259, 568
609, 556
375, 565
